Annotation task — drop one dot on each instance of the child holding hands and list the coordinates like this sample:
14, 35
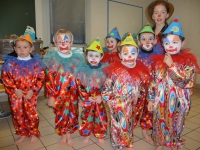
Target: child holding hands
23, 78
170, 93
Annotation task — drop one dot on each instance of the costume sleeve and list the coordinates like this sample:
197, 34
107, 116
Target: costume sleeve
8, 82
51, 90
38, 82
182, 76
82, 93
151, 90
107, 91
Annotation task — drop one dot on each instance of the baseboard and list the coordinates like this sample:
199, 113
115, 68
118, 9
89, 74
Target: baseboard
197, 86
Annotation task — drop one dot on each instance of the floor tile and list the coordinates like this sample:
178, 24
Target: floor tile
194, 120
46, 130
27, 146
91, 147
191, 144
79, 144
50, 139
57, 146
11, 147
142, 145
193, 135
191, 125
4, 125
6, 141
5, 132
43, 123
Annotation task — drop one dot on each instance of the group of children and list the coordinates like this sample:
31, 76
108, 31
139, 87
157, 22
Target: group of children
150, 81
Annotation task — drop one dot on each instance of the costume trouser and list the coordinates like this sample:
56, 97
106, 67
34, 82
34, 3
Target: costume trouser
146, 118
25, 116
122, 127
94, 119
66, 111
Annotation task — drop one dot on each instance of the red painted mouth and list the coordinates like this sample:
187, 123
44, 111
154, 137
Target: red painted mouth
110, 46
64, 49
129, 60
171, 50
93, 62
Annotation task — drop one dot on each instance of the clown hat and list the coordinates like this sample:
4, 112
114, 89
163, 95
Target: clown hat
146, 29
95, 46
114, 33
175, 27
129, 41
26, 37
156, 2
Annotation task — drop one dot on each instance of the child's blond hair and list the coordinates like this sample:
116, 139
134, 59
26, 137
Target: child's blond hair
63, 31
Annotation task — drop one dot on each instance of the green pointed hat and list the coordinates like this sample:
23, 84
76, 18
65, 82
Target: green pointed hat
146, 29
95, 46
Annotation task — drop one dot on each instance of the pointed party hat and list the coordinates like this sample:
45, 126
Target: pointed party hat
146, 29
95, 46
175, 27
129, 41
114, 33
26, 37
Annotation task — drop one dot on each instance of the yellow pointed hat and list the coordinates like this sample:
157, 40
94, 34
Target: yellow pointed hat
95, 46
129, 41
26, 37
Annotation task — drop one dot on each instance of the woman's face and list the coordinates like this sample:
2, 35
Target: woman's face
160, 14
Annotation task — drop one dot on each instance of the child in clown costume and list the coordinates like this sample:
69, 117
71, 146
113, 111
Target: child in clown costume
122, 89
61, 87
23, 77
113, 41
170, 92
146, 42
90, 79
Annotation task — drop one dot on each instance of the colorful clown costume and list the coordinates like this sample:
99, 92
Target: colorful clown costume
171, 93
90, 80
60, 84
24, 75
122, 90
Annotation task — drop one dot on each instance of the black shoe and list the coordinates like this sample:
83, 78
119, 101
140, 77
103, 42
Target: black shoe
4, 115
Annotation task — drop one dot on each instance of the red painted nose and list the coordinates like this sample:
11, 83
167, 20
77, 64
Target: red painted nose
159, 15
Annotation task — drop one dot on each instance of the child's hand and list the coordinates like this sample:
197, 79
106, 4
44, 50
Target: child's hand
91, 99
150, 106
51, 102
168, 59
29, 94
98, 99
19, 93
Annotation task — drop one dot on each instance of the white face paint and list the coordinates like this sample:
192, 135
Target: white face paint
129, 55
63, 43
147, 41
172, 44
111, 43
93, 58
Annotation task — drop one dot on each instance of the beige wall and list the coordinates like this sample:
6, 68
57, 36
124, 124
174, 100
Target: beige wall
96, 20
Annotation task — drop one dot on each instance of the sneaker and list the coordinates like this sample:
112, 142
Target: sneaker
4, 115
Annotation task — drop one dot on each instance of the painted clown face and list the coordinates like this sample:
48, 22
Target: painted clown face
172, 44
147, 41
63, 43
93, 58
129, 55
111, 44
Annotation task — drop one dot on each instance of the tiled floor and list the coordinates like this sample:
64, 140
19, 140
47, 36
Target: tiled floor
50, 141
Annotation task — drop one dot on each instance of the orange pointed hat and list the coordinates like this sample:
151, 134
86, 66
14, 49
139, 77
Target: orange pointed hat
26, 37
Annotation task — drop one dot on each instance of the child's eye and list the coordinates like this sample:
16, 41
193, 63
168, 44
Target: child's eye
166, 43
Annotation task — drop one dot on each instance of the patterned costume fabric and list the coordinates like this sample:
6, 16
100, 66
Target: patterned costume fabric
171, 93
145, 58
60, 84
123, 89
24, 75
94, 119
110, 57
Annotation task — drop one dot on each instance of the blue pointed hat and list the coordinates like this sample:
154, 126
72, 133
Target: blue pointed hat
114, 33
175, 27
